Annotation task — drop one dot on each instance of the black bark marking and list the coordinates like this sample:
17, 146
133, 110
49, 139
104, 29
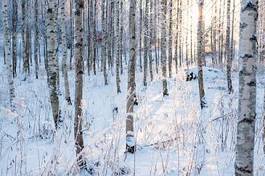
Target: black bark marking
49, 10
247, 120
252, 83
250, 6
253, 38
247, 56
243, 169
243, 25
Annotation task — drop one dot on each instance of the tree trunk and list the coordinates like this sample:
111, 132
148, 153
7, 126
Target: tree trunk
146, 39
130, 141
14, 37
140, 34
155, 36
191, 37
200, 54
247, 89
177, 38
170, 40
163, 48
180, 45
228, 50
52, 67
64, 53
25, 39
151, 27
36, 39
214, 29
121, 37
104, 42
79, 71
117, 47
8, 58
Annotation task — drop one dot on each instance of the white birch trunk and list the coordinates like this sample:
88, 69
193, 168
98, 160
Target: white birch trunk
117, 14
8, 58
228, 49
64, 53
170, 40
200, 53
79, 72
36, 39
146, 39
130, 141
163, 48
52, 67
247, 89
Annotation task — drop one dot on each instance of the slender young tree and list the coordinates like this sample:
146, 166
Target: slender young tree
214, 32
191, 36
64, 52
52, 65
104, 41
228, 49
36, 38
121, 37
8, 58
232, 48
140, 34
25, 38
220, 37
89, 36
180, 23
170, 40
146, 41
14, 37
94, 35
151, 27
155, 36
117, 3
177, 37
200, 53
163, 48
79, 72
130, 141
247, 89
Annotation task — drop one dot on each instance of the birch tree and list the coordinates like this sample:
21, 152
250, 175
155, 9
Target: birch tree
146, 39
177, 37
117, 47
214, 33
200, 53
163, 47
140, 33
180, 23
247, 89
104, 41
130, 141
170, 40
228, 49
25, 38
151, 35
79, 71
36, 38
64, 53
121, 37
52, 67
14, 37
7, 50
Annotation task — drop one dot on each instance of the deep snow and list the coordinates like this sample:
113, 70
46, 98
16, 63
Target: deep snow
174, 137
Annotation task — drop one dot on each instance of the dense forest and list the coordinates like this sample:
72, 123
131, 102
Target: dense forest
132, 87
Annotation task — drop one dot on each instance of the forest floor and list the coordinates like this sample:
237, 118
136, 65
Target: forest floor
173, 136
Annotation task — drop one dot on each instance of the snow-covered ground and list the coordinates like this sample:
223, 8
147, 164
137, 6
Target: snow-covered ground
173, 136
